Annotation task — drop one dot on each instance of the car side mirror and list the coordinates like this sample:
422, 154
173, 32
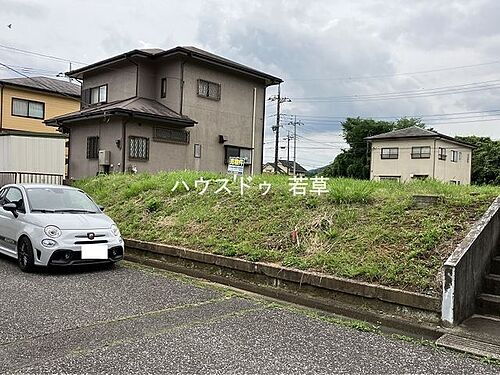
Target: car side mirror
11, 207
101, 208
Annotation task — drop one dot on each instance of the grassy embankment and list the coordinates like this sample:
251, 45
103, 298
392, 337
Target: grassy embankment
365, 230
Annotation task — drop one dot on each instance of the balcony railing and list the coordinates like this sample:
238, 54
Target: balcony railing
30, 178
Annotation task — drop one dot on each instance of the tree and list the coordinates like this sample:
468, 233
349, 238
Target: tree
485, 160
353, 162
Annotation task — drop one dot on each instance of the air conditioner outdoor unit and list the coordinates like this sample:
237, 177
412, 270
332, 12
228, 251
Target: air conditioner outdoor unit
104, 157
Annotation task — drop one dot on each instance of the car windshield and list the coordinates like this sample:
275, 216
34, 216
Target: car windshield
59, 200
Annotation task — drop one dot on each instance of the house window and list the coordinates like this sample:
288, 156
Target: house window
171, 135
138, 148
442, 153
92, 147
420, 176
455, 182
197, 150
238, 152
163, 88
28, 108
389, 153
210, 90
390, 178
99, 94
423, 152
454, 156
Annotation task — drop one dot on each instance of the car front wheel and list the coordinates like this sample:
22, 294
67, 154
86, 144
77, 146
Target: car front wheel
25, 257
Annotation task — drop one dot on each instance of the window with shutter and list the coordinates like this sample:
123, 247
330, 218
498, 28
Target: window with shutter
92, 147
210, 90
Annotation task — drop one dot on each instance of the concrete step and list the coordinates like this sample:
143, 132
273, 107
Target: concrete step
481, 328
492, 284
469, 345
495, 265
488, 304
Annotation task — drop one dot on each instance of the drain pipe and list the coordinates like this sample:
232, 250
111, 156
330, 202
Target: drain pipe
252, 153
1, 106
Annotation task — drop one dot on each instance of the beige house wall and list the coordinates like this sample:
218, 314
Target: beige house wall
55, 105
405, 168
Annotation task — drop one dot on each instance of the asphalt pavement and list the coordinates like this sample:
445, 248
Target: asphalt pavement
136, 320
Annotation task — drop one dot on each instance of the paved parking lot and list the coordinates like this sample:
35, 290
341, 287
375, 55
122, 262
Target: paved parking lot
136, 320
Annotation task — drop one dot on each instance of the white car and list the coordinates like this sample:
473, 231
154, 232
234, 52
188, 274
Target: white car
55, 225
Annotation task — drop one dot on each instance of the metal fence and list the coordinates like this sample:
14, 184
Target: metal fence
30, 178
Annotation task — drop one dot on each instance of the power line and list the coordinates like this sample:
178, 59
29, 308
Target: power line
359, 78
439, 91
40, 83
26, 52
305, 116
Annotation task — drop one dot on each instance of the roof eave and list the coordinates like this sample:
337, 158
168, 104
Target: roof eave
25, 87
437, 136
270, 80
76, 73
60, 121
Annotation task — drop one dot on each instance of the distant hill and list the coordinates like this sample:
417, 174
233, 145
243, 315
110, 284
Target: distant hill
316, 171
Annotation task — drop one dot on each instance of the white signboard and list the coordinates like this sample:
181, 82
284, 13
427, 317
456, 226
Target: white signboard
236, 166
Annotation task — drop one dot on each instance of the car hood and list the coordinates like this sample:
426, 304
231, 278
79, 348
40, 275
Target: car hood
70, 221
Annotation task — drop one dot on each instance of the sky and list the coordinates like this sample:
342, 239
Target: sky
434, 59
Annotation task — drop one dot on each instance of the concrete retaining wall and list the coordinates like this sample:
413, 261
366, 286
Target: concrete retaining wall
468, 264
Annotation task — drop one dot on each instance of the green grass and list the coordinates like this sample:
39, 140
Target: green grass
365, 230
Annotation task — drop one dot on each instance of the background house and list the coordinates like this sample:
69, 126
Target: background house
155, 110
285, 167
416, 153
31, 151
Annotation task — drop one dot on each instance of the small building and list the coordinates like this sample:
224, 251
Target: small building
31, 151
416, 153
150, 110
285, 167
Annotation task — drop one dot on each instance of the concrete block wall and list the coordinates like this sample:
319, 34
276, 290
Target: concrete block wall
465, 269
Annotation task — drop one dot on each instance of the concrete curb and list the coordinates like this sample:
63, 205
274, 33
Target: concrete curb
302, 278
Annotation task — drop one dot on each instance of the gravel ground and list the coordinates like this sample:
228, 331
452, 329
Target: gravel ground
131, 321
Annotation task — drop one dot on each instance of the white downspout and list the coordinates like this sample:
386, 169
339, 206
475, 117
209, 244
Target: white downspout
253, 130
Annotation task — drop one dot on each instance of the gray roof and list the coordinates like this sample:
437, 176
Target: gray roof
190, 51
45, 84
298, 168
139, 107
415, 132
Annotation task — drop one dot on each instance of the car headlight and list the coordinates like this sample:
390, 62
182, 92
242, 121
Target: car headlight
48, 243
52, 231
115, 230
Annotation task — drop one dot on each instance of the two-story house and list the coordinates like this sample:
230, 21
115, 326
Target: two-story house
27, 145
156, 110
416, 153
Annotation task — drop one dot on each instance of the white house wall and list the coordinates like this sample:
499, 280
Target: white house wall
405, 167
32, 154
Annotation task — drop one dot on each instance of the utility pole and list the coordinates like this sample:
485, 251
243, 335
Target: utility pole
295, 123
276, 128
288, 138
